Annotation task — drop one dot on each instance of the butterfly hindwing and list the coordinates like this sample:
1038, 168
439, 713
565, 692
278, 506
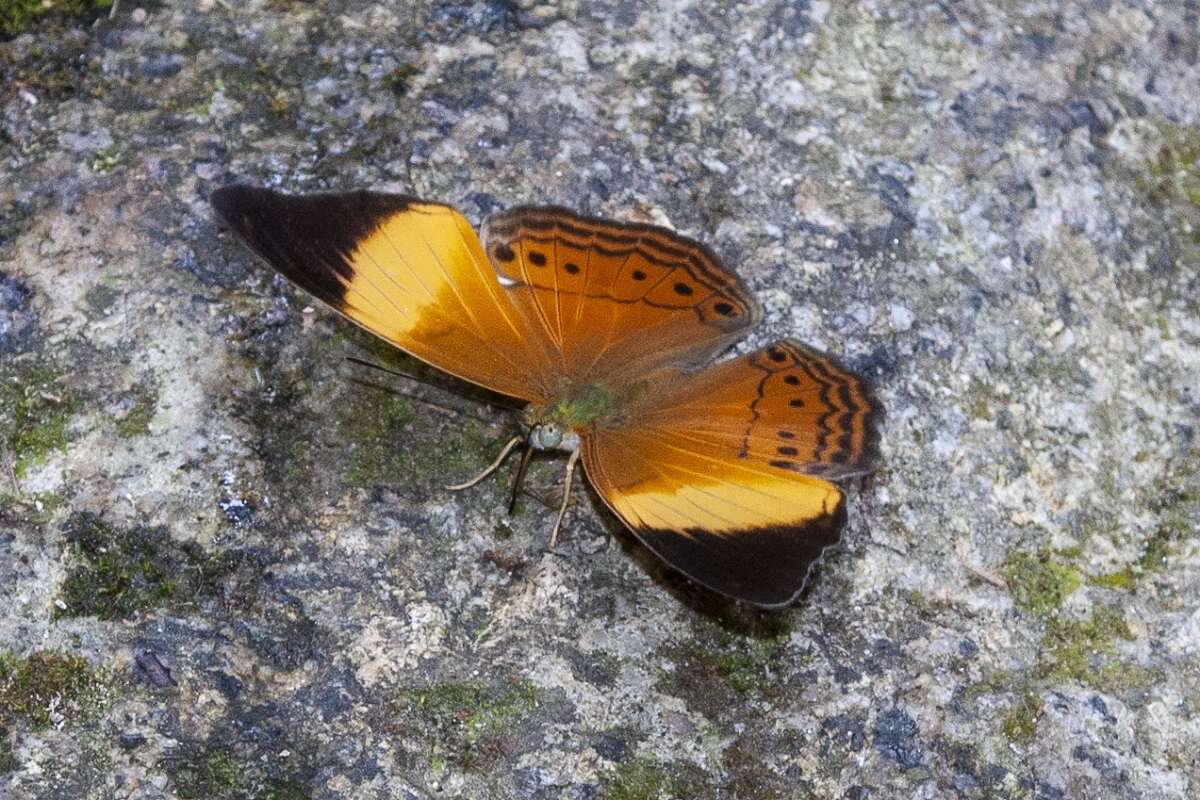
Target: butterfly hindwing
412, 272
723, 473
741, 529
618, 296
787, 406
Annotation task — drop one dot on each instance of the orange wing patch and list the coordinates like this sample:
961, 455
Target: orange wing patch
618, 297
411, 272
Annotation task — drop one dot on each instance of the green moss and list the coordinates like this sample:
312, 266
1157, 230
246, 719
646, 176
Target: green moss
1078, 649
283, 790
980, 398
373, 433
136, 421
48, 687
214, 774
8, 759
1154, 557
1121, 579
117, 573
1021, 722
18, 16
748, 662
1172, 182
106, 160
34, 413
1038, 584
721, 667
1082, 651
469, 721
748, 772
381, 450
1176, 503
639, 779
1001, 681
1085, 651
1175, 500
36, 508
100, 299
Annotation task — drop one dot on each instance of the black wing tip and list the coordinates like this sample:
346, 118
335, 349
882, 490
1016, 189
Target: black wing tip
871, 455
767, 567
309, 238
231, 201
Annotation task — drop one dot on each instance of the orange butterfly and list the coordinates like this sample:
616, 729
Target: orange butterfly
606, 330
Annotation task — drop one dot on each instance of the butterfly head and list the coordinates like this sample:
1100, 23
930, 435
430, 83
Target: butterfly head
553, 436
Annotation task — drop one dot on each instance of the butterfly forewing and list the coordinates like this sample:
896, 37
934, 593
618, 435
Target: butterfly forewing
618, 298
411, 272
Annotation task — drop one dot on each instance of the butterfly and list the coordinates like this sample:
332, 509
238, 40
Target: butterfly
607, 332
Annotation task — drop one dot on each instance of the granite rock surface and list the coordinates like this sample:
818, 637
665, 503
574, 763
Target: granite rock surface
227, 567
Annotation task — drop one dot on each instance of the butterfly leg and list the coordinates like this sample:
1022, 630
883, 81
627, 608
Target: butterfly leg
513, 442
518, 479
562, 510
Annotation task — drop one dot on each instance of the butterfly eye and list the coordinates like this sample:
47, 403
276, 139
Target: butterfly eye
546, 437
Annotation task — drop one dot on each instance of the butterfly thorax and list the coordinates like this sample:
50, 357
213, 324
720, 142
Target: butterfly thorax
559, 423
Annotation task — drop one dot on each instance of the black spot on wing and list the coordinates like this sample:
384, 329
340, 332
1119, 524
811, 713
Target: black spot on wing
767, 567
308, 238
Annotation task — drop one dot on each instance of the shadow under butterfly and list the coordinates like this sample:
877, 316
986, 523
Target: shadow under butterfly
606, 331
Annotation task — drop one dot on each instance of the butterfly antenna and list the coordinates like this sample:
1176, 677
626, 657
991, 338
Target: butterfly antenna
437, 406
519, 478
381, 368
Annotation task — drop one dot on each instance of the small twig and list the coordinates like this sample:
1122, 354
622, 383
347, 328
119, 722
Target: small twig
10, 470
987, 577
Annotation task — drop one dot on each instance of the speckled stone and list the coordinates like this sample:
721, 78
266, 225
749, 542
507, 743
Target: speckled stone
992, 209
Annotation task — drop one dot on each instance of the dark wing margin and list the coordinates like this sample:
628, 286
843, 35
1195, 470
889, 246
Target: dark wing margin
317, 261
767, 567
